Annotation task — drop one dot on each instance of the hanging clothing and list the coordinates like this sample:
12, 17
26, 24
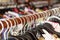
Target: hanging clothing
56, 26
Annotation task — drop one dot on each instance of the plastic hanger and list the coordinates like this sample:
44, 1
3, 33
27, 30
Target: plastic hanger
16, 28
13, 26
9, 23
5, 31
53, 12
25, 22
57, 11
37, 21
2, 27
48, 13
23, 18
21, 25
28, 22
10, 26
32, 22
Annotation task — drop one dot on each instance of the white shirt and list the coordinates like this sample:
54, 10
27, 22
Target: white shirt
47, 36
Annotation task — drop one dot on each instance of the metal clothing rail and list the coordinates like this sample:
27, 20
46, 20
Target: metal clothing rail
28, 18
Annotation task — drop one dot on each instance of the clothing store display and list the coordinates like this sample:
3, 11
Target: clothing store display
29, 20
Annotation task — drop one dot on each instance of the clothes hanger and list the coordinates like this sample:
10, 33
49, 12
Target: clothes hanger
41, 17
57, 11
24, 24
10, 26
53, 12
19, 21
33, 22
21, 26
46, 14
38, 22
13, 26
50, 12
28, 22
5, 32
37, 17
16, 28
2, 27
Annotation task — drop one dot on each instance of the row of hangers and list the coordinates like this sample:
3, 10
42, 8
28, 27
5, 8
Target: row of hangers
9, 24
28, 18
42, 30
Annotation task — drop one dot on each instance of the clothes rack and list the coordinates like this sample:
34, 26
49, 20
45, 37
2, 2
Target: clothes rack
32, 17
